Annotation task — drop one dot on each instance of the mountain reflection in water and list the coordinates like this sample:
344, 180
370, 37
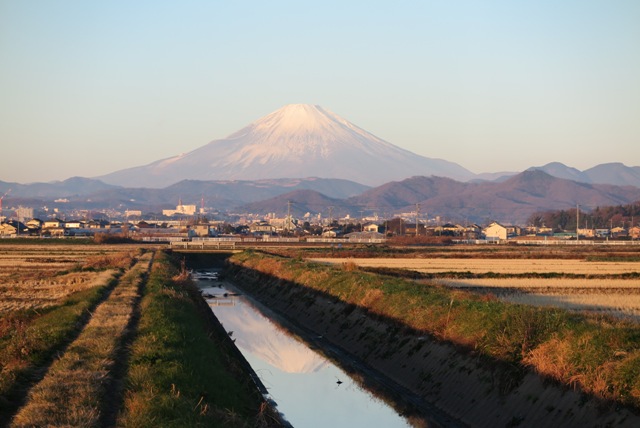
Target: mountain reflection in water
309, 390
255, 334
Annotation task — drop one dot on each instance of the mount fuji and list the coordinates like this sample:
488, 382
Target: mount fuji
296, 141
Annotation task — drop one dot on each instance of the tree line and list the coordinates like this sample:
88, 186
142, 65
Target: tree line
607, 217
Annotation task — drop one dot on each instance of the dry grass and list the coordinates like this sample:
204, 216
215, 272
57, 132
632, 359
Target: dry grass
504, 266
545, 284
614, 296
43, 292
72, 391
33, 277
618, 297
627, 306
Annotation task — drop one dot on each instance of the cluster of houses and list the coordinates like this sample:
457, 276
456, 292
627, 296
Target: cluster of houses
56, 227
172, 230
497, 231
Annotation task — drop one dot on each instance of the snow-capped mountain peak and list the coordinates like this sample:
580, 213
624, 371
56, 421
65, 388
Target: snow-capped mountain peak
296, 141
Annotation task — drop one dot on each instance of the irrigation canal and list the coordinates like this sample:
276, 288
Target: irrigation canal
310, 391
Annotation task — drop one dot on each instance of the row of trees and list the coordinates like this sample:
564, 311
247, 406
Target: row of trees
625, 216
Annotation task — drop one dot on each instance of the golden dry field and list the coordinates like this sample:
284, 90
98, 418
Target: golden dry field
593, 286
504, 266
35, 276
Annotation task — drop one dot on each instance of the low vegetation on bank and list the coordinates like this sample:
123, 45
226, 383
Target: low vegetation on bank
596, 353
180, 370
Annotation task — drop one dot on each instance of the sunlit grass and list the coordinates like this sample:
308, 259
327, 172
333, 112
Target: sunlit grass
180, 373
599, 354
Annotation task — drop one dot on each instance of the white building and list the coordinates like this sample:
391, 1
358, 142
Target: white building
495, 231
181, 209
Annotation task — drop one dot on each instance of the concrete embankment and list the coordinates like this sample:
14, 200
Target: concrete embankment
470, 389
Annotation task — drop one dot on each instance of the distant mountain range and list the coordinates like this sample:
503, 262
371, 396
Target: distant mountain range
313, 157
606, 173
511, 200
93, 194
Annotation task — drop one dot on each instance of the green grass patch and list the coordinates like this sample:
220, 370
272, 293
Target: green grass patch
180, 373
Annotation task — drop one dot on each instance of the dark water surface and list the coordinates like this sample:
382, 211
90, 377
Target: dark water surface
310, 391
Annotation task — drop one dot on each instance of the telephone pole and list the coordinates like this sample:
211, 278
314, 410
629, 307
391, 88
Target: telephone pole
417, 217
577, 222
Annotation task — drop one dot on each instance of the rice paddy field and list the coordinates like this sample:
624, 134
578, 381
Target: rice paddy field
37, 276
72, 316
598, 282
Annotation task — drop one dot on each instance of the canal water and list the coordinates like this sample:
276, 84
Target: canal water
310, 391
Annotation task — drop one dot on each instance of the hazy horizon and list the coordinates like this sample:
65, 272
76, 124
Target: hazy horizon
90, 88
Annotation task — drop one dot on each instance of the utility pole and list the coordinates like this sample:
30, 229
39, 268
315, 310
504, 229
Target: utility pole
330, 216
577, 222
417, 217
288, 220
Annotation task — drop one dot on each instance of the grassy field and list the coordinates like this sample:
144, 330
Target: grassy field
94, 335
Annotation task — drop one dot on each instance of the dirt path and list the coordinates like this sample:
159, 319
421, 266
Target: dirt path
81, 386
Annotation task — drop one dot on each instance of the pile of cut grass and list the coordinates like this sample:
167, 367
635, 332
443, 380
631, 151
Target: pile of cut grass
180, 372
598, 354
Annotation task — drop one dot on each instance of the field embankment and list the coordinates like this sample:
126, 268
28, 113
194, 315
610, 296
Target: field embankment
486, 362
123, 341
183, 369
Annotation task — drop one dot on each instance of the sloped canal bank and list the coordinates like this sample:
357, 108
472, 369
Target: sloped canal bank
415, 336
309, 389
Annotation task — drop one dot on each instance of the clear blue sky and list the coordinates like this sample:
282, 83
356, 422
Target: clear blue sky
90, 87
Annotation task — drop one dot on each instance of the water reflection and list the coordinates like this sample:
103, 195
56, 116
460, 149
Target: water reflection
256, 335
310, 390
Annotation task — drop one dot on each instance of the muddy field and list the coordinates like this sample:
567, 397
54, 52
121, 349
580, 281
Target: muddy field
591, 292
